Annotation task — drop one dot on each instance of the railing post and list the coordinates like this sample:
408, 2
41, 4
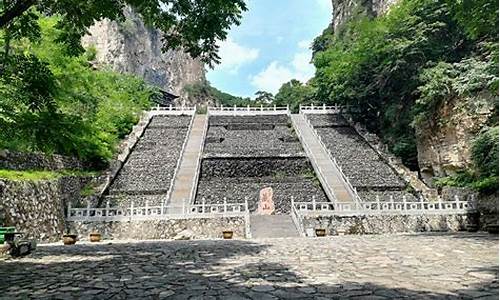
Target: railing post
88, 209
404, 202
203, 205
147, 208
234, 107
69, 209
324, 107
314, 203
261, 107
378, 202
107, 208
225, 205
248, 107
162, 207
170, 107
274, 107
288, 108
246, 205
457, 202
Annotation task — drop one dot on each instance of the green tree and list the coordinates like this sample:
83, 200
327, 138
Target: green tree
294, 93
193, 25
55, 103
375, 66
264, 97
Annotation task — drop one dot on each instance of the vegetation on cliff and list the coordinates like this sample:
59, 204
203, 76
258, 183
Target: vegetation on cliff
191, 25
51, 98
56, 103
397, 69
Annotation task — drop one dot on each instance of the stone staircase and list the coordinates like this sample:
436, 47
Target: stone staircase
327, 172
367, 171
146, 173
274, 226
186, 178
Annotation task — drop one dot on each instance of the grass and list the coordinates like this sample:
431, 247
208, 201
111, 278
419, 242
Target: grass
87, 190
37, 175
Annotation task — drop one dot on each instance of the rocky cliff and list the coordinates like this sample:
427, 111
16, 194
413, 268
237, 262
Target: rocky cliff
134, 48
444, 142
345, 10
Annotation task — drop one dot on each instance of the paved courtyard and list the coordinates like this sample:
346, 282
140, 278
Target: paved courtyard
437, 266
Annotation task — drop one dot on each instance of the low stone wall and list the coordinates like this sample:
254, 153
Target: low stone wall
12, 160
194, 228
383, 224
37, 208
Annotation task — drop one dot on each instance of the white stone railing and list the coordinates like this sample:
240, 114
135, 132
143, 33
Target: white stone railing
144, 213
350, 188
179, 160
322, 109
248, 110
297, 219
420, 207
173, 110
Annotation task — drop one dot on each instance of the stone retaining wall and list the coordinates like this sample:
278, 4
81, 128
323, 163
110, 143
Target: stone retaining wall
37, 208
237, 179
384, 224
12, 160
195, 228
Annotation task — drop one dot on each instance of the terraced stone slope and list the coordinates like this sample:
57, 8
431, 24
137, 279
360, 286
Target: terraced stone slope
148, 170
366, 170
244, 154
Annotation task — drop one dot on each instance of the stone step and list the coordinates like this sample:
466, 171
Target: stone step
274, 226
329, 174
184, 180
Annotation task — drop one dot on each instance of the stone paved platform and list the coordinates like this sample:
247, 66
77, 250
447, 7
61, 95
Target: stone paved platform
438, 266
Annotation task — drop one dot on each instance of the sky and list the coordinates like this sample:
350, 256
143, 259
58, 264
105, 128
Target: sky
271, 46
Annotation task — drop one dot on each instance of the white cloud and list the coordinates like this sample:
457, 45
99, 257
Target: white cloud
279, 39
304, 44
301, 63
233, 55
275, 74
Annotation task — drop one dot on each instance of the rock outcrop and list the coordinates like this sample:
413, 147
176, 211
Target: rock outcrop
345, 10
132, 47
444, 142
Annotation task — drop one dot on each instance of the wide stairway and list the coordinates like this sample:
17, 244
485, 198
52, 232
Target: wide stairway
327, 172
185, 179
274, 226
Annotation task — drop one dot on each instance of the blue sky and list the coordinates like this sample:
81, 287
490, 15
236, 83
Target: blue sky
271, 46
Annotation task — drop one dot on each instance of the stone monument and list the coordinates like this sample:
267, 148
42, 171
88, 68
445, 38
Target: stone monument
266, 203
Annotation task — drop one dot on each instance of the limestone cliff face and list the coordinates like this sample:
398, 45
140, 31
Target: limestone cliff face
444, 142
345, 10
132, 47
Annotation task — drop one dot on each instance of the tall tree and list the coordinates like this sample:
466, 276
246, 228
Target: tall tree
194, 25
264, 97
